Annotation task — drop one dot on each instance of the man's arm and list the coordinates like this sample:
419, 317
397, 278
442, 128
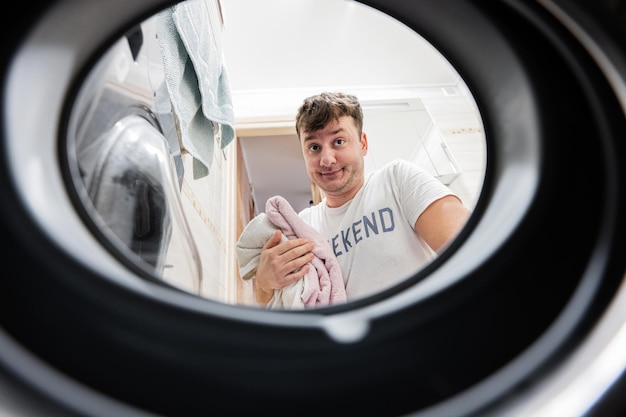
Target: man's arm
281, 264
441, 221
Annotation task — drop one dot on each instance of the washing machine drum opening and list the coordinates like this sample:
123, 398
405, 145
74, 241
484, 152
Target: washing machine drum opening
533, 297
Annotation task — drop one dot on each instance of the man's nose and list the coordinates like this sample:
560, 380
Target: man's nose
327, 157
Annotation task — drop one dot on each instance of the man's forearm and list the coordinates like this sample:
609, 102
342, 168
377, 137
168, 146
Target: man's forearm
262, 296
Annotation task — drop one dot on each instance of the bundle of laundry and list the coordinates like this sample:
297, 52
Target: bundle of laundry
323, 283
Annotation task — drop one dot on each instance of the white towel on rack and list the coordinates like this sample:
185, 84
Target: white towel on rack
196, 78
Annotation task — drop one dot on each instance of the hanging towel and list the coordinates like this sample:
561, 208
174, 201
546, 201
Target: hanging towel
323, 283
197, 80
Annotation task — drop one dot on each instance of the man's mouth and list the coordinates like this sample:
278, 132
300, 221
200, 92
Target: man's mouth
330, 174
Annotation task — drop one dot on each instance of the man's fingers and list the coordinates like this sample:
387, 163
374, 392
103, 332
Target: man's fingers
300, 261
289, 248
296, 275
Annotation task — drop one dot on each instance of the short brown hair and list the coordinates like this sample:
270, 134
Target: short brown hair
318, 110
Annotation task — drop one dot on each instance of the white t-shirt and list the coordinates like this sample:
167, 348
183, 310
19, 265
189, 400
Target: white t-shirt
372, 235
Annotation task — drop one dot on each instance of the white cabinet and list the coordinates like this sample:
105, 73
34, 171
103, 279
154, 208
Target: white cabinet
405, 130
433, 154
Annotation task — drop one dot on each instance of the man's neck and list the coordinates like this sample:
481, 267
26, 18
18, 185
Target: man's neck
340, 200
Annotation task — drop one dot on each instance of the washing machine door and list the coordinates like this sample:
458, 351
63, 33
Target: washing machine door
530, 321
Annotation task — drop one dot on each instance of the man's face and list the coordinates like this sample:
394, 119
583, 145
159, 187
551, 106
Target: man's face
334, 158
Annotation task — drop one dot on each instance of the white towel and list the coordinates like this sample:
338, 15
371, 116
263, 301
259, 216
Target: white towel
197, 80
253, 237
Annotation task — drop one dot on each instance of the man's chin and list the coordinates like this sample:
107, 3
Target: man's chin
329, 185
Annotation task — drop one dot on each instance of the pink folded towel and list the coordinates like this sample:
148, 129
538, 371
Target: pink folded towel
323, 283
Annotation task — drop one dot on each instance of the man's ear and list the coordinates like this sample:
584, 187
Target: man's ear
364, 143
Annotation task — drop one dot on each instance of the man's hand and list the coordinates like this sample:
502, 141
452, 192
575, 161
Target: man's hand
281, 264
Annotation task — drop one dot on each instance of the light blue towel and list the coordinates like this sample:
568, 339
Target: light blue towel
197, 80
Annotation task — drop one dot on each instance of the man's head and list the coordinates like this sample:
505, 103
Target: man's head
319, 110
333, 144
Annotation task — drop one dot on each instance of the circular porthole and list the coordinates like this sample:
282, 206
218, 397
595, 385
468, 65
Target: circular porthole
514, 316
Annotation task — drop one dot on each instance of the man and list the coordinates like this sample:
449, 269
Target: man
382, 227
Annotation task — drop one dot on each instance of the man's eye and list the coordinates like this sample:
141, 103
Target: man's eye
340, 141
313, 148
